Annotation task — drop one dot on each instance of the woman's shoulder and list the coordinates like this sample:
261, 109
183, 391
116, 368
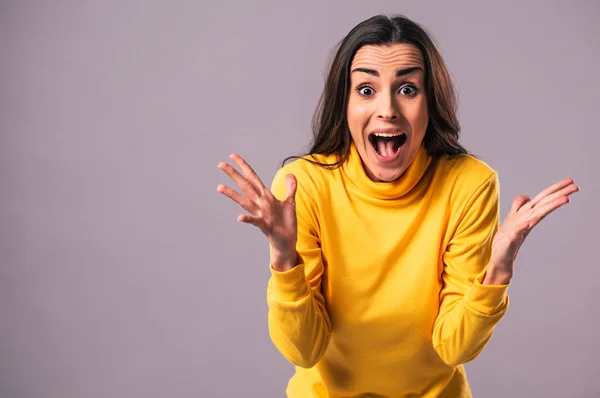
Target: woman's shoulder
310, 170
313, 166
466, 171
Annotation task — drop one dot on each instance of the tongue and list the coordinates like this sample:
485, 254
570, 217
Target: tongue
386, 148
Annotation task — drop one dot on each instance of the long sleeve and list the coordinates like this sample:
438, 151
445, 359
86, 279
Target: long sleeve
469, 310
299, 324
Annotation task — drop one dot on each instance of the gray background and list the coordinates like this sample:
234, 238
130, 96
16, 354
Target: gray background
123, 273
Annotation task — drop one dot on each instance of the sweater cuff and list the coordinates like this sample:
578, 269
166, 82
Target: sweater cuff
290, 285
487, 299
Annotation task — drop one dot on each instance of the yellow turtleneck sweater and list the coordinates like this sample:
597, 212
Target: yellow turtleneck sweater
387, 299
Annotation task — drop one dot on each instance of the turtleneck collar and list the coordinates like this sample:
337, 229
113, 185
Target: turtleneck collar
354, 170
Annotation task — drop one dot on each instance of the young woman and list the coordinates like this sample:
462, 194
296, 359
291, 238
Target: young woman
389, 266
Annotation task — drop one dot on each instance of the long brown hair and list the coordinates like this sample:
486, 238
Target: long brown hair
331, 134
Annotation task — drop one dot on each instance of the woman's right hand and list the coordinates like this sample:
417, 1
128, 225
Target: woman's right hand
276, 219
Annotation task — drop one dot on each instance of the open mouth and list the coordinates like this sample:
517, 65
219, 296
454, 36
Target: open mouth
387, 145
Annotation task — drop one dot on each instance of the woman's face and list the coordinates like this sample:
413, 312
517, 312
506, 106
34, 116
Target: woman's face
387, 108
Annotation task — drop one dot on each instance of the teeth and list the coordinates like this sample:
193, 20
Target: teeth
388, 134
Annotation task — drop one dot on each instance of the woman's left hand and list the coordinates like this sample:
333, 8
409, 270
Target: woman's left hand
525, 214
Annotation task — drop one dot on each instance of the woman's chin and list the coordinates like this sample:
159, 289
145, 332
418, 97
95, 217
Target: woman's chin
385, 174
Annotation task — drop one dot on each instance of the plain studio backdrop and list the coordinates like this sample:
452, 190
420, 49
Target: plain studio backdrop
123, 273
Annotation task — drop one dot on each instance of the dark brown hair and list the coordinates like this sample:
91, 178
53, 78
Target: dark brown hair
331, 134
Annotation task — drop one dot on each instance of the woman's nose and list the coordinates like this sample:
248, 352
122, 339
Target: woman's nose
388, 109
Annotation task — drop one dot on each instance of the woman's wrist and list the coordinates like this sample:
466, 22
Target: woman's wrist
495, 276
283, 261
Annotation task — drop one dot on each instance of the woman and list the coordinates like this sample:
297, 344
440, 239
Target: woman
389, 269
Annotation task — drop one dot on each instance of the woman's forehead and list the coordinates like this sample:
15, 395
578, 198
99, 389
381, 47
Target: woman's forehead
391, 56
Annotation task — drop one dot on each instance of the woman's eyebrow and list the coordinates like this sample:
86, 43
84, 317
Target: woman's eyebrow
401, 72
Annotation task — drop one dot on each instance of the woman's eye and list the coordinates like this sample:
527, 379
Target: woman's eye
408, 90
365, 91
